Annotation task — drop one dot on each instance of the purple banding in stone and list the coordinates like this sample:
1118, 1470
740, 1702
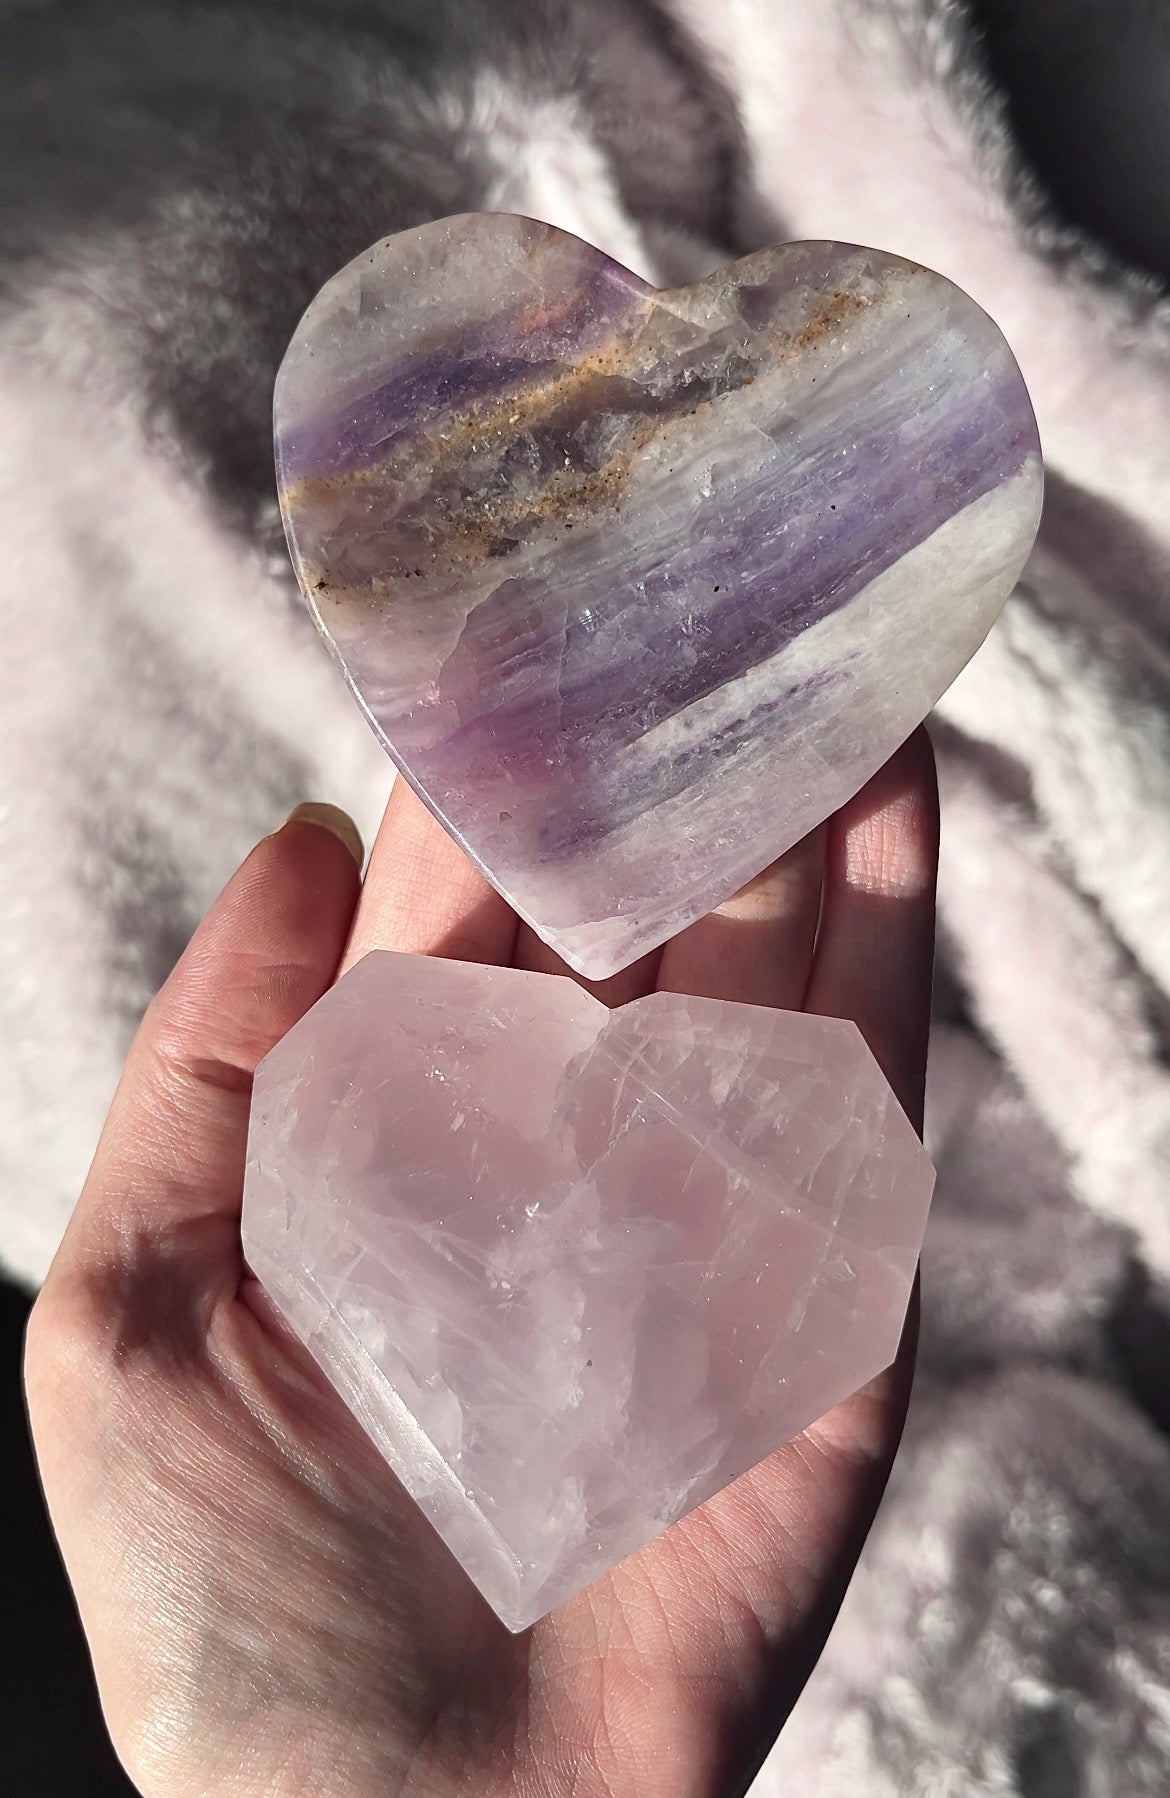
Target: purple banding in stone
481, 361
607, 568
388, 417
799, 580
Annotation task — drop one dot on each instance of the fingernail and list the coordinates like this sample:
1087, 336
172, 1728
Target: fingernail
334, 820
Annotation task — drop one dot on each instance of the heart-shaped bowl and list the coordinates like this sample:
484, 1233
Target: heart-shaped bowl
638, 586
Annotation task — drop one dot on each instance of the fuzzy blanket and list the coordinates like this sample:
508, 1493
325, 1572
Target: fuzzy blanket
163, 702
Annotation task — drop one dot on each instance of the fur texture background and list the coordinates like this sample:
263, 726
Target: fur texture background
176, 183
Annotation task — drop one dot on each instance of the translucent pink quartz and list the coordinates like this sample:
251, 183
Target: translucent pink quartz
575, 1270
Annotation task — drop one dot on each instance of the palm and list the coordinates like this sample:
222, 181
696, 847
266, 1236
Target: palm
267, 1609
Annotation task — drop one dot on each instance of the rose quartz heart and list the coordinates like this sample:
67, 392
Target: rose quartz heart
574, 1270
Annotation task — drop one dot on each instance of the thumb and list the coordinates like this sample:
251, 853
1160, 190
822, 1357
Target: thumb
171, 1155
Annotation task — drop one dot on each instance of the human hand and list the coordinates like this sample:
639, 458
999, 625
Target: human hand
267, 1610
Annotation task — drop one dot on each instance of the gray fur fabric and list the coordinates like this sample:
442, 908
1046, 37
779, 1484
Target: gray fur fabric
176, 183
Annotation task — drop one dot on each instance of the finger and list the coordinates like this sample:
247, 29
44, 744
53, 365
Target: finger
423, 896
757, 946
172, 1150
632, 983
874, 957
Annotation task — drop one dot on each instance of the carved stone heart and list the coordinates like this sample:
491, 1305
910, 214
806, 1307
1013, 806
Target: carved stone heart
574, 1270
636, 587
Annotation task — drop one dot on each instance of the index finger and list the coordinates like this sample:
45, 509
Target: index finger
422, 896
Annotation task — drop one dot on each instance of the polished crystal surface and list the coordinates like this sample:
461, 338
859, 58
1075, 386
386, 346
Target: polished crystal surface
637, 586
575, 1270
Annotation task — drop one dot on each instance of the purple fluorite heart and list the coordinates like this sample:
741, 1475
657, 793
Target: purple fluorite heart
636, 587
